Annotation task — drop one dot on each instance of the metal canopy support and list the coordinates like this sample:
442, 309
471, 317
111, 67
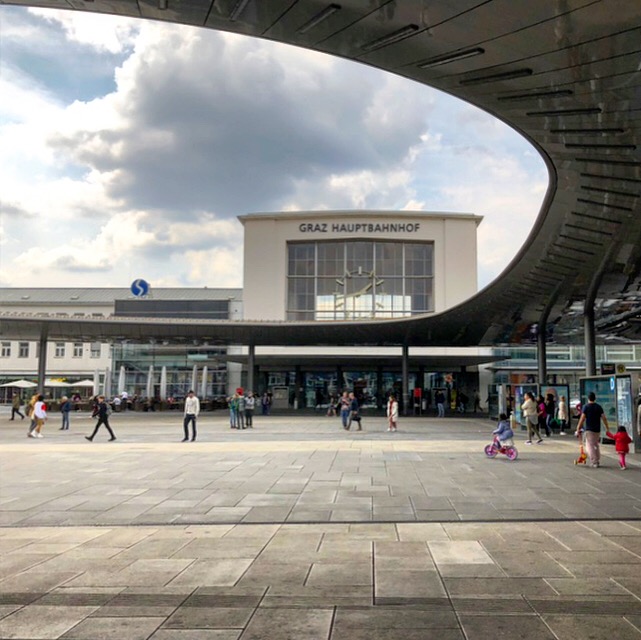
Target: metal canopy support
541, 353
405, 379
588, 313
42, 362
590, 346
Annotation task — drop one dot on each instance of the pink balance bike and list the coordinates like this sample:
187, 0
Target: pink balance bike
492, 450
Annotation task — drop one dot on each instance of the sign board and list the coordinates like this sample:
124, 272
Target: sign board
140, 288
607, 369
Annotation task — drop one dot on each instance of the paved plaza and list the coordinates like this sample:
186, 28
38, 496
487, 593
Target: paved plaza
298, 529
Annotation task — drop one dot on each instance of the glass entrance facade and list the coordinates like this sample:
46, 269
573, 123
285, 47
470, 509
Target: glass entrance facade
346, 280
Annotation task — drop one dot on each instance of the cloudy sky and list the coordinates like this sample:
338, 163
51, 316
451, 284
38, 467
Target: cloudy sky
128, 148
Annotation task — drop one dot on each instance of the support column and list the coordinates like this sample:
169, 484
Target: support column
405, 379
541, 354
380, 396
42, 362
251, 366
588, 312
590, 347
300, 391
339, 380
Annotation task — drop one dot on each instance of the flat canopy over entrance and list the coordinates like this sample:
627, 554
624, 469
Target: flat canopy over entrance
387, 363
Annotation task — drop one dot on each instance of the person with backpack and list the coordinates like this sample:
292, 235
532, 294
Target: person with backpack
102, 412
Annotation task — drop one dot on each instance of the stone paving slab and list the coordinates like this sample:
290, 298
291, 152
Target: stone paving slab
299, 529
300, 470
316, 598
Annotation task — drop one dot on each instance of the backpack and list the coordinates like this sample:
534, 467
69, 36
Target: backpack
109, 410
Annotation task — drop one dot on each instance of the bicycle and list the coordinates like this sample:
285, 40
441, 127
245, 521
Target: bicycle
492, 450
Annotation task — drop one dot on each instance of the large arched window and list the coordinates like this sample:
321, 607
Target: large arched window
359, 279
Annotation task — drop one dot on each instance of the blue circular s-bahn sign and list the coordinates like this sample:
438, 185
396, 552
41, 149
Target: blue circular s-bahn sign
140, 287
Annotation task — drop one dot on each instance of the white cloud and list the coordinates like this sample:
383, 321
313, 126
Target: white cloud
112, 34
147, 177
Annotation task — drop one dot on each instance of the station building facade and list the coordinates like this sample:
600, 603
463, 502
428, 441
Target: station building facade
298, 266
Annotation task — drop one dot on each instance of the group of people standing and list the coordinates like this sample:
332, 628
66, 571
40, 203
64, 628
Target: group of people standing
542, 414
241, 410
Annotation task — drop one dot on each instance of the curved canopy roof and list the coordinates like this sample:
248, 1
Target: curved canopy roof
565, 74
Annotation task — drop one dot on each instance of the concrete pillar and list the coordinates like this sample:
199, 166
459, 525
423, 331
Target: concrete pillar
300, 390
42, 362
251, 366
405, 379
339, 380
380, 396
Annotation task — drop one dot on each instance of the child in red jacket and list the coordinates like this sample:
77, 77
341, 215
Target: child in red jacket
621, 444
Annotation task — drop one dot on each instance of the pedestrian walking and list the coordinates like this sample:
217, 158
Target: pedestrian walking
192, 409
590, 422
542, 416
29, 411
16, 403
622, 442
530, 412
102, 412
38, 417
392, 413
354, 412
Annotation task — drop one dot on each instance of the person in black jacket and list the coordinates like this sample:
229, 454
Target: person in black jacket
354, 412
102, 412
550, 410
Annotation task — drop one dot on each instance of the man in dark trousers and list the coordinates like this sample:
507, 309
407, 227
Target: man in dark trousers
192, 409
102, 413
592, 416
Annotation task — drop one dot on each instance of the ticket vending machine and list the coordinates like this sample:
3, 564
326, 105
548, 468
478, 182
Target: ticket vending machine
615, 393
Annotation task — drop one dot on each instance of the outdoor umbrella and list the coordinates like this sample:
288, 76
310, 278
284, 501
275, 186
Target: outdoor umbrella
82, 383
20, 384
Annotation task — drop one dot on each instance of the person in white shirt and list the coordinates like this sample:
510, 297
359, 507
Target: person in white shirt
192, 409
39, 415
